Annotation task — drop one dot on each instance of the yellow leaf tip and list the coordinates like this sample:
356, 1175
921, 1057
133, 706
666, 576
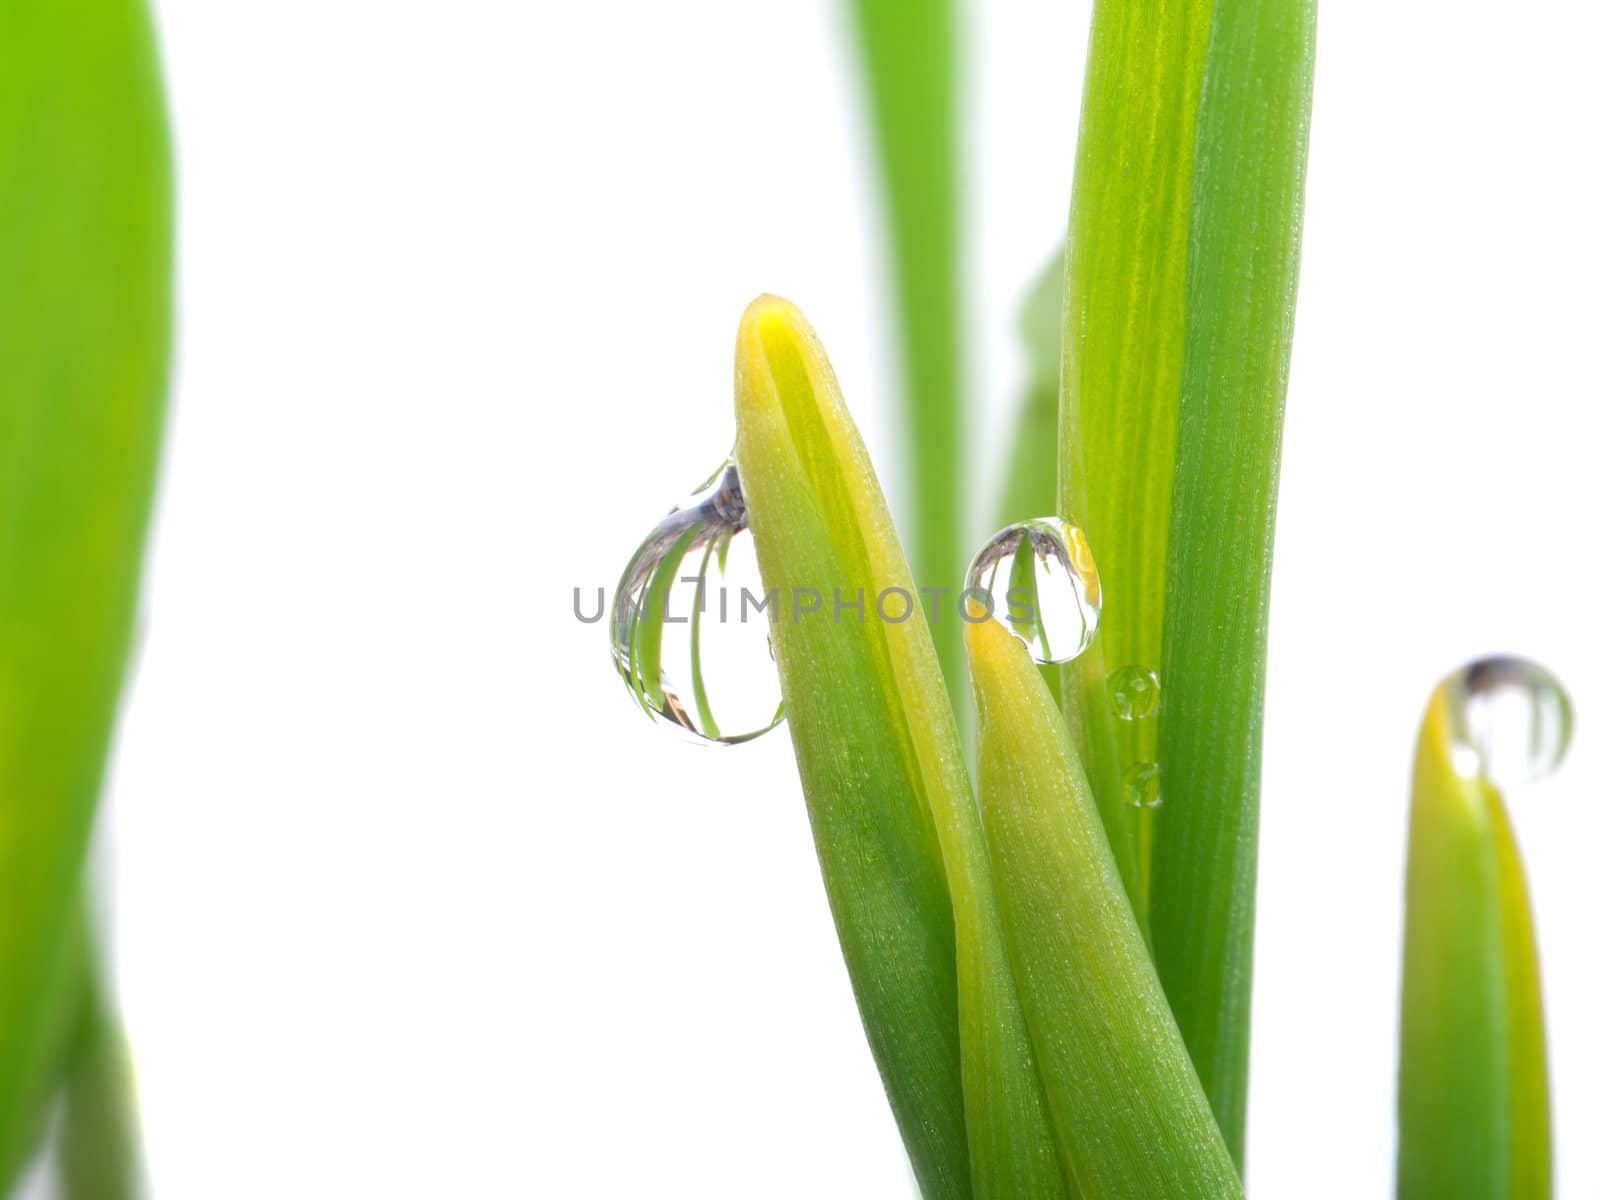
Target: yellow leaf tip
777, 354
770, 322
988, 640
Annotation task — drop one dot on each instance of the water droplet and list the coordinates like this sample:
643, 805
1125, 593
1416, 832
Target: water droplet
1039, 580
689, 634
1135, 692
1513, 720
1141, 785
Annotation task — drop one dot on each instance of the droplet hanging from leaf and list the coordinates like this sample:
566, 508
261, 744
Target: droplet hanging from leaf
690, 623
1511, 720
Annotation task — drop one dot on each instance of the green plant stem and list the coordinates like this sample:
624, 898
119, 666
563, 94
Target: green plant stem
1249, 182
1130, 1116
910, 52
85, 315
1474, 1093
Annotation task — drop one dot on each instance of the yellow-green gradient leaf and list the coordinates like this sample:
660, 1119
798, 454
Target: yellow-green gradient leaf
890, 801
1474, 1096
1130, 1116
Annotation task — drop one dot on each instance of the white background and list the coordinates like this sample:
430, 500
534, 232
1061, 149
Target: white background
409, 902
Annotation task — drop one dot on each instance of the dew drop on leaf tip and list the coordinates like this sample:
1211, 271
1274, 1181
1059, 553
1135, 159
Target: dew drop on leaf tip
1511, 720
1038, 579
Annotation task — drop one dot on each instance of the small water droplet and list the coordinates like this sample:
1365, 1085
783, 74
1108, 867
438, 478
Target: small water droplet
1135, 692
1039, 580
688, 633
1512, 720
1141, 785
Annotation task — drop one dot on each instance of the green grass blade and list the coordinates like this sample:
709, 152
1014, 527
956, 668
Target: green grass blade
1130, 1115
1474, 1095
1121, 361
890, 801
1249, 189
1086, 705
1122, 349
909, 54
85, 315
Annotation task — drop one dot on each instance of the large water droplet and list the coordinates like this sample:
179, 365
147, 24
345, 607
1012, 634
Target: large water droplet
1040, 581
688, 633
1135, 692
1512, 720
1141, 785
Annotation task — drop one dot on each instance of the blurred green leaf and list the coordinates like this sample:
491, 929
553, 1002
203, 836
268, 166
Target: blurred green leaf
910, 53
96, 1148
1474, 1095
85, 316
1029, 487
888, 793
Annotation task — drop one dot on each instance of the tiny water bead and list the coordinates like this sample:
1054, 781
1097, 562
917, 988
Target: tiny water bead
688, 632
1039, 579
1512, 720
1141, 785
1135, 692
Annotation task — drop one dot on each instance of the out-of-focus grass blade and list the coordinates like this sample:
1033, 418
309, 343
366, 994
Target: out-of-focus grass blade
910, 52
1130, 1115
97, 1149
1029, 487
72, 970
1244, 258
85, 313
888, 794
1474, 1097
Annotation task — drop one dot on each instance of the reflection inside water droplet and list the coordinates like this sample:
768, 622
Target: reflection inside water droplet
1041, 584
1135, 692
1141, 785
1512, 720
688, 633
